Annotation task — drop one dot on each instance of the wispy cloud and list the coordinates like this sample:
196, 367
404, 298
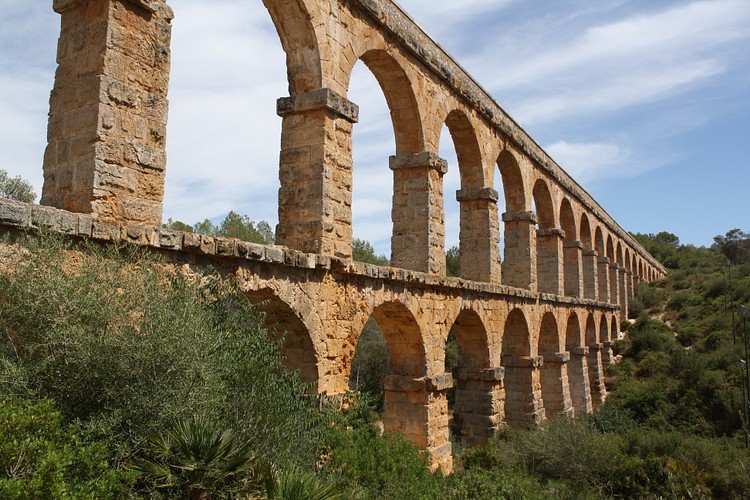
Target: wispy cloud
625, 62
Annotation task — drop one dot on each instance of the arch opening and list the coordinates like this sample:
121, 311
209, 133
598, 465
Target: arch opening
572, 252
519, 264
554, 370
297, 348
548, 241
523, 399
477, 386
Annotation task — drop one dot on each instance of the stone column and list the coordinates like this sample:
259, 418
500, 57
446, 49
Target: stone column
623, 276
596, 374
479, 235
315, 170
549, 244
523, 392
603, 278
106, 138
418, 240
590, 282
417, 408
519, 266
573, 268
555, 385
578, 374
614, 283
608, 353
480, 401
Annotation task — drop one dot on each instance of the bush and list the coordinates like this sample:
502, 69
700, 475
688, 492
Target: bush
127, 346
40, 457
365, 464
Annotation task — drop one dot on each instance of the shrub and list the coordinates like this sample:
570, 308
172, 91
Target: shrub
40, 457
127, 345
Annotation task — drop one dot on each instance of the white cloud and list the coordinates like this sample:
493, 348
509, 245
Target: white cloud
588, 161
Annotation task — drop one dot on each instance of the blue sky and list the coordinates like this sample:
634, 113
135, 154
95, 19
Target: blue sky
645, 103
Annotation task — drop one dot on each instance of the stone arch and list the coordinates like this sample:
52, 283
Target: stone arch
572, 252
467, 149
519, 264
514, 188
620, 272
628, 276
589, 260
596, 369
399, 94
548, 241
298, 347
554, 370
523, 398
580, 390
478, 384
294, 25
408, 401
478, 236
614, 282
604, 329
614, 330
545, 209
403, 338
602, 266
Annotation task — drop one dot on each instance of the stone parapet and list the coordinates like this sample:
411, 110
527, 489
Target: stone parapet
17, 216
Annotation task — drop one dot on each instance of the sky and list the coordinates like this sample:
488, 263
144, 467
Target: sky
646, 103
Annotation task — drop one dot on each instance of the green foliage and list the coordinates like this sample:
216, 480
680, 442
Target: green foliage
128, 346
40, 457
16, 188
196, 458
370, 363
234, 225
365, 464
734, 245
363, 251
452, 262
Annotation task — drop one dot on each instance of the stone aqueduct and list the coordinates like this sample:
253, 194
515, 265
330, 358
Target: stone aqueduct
534, 334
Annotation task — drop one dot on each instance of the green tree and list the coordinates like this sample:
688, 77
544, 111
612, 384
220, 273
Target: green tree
452, 264
16, 188
234, 225
239, 226
363, 251
178, 225
734, 245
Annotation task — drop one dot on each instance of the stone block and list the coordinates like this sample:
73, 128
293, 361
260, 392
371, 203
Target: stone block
226, 247
274, 254
105, 231
207, 245
170, 239
15, 213
46, 217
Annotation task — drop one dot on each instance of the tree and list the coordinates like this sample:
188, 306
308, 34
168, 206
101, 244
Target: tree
363, 251
178, 225
735, 246
239, 226
16, 188
234, 225
452, 264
